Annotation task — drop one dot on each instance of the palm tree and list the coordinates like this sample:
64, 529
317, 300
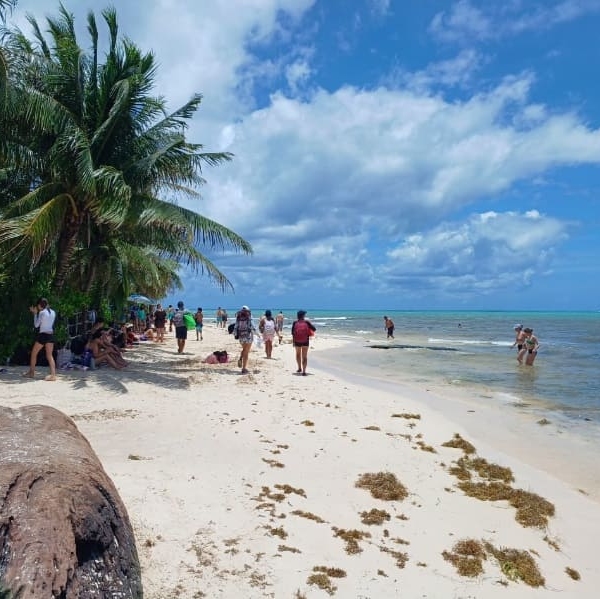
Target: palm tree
103, 162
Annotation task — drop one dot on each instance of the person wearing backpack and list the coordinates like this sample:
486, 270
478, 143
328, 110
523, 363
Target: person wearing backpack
243, 331
302, 331
180, 326
267, 327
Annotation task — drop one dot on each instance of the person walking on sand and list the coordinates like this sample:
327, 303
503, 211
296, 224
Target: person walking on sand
243, 331
520, 336
199, 318
180, 327
389, 326
43, 320
302, 331
160, 322
279, 326
170, 314
267, 328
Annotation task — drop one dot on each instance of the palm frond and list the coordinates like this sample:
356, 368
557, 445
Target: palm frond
37, 231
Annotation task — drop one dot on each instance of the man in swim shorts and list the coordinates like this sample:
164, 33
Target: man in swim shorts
389, 326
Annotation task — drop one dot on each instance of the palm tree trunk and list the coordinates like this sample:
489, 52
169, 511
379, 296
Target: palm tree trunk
91, 277
66, 248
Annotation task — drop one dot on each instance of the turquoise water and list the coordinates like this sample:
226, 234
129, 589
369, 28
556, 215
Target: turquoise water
472, 350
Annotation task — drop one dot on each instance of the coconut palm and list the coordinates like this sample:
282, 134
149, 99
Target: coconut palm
103, 162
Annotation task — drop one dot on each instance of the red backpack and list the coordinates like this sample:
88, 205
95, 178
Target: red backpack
301, 331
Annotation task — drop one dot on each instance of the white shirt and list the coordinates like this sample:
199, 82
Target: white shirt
44, 319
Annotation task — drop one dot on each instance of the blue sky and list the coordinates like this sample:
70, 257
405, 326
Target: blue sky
389, 154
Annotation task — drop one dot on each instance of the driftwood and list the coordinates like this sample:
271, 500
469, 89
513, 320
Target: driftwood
64, 531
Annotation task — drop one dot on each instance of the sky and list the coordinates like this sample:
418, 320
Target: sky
388, 154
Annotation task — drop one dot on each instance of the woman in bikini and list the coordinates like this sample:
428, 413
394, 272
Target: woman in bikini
531, 346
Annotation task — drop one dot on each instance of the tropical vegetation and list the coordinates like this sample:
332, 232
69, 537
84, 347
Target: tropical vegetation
92, 167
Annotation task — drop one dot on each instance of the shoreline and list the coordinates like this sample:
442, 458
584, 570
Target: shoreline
509, 428
236, 485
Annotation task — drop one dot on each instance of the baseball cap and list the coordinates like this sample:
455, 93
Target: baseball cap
245, 308
518, 327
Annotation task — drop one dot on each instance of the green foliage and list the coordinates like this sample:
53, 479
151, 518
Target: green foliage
90, 167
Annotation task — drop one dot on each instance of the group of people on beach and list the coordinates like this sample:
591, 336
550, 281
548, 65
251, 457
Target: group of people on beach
244, 331
527, 344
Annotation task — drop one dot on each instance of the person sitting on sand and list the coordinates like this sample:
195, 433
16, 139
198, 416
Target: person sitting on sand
149, 335
103, 354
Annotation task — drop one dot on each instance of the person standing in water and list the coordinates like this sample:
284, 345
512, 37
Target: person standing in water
389, 326
520, 336
531, 346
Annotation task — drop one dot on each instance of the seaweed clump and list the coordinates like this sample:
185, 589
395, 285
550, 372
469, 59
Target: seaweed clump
532, 510
493, 485
374, 516
383, 485
322, 578
517, 565
468, 556
351, 537
459, 443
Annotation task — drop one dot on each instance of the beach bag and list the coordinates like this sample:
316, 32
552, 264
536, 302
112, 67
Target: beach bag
243, 327
63, 356
230, 328
301, 331
189, 321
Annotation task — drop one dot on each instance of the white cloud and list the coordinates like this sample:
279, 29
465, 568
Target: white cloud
354, 187
462, 21
356, 154
487, 251
465, 22
379, 8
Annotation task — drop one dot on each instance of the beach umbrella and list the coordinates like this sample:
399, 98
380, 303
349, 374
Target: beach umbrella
140, 299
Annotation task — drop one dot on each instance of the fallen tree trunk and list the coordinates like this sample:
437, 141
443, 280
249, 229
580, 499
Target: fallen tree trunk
64, 531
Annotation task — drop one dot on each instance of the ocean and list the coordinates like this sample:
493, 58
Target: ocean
472, 351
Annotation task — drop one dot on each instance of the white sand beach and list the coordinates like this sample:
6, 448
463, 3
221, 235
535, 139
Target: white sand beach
245, 485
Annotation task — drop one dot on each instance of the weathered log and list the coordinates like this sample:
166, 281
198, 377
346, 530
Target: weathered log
64, 531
